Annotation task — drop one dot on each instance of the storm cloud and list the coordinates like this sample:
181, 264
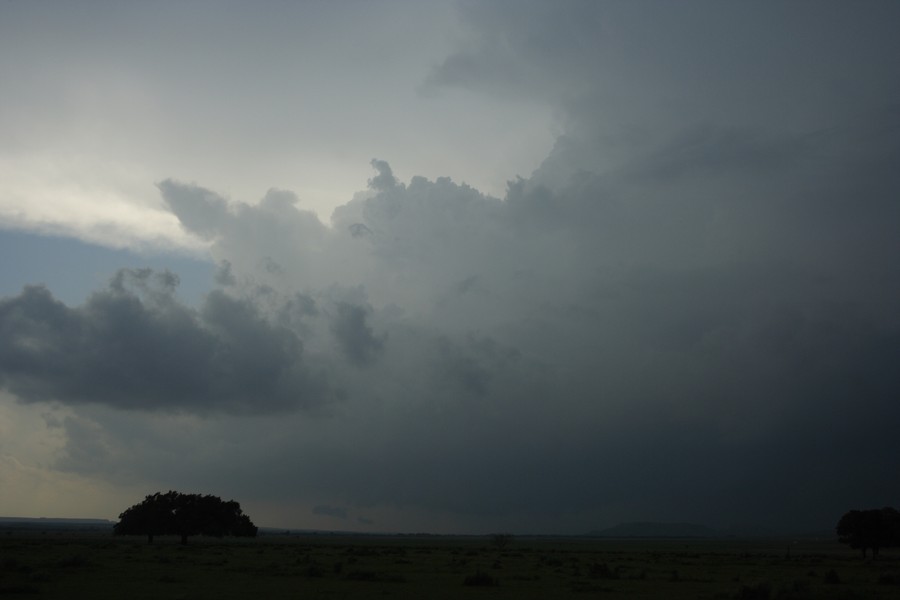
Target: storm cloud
688, 311
134, 346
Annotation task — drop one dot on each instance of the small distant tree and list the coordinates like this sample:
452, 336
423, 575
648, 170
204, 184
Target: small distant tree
877, 528
174, 513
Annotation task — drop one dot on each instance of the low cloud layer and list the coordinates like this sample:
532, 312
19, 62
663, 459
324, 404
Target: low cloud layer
134, 346
687, 318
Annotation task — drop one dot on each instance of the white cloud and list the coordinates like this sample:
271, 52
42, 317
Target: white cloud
114, 206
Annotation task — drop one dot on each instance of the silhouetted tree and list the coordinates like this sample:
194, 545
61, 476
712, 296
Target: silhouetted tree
174, 513
877, 528
151, 517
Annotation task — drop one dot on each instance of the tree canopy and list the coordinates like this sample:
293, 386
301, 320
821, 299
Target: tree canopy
174, 513
876, 528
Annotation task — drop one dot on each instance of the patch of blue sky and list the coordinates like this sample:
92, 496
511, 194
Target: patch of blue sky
72, 269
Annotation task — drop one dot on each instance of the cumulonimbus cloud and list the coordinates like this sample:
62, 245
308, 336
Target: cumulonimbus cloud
708, 304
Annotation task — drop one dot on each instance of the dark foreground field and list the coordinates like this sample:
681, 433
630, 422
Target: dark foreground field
94, 565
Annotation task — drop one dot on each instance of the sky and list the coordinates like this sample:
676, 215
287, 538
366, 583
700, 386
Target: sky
452, 267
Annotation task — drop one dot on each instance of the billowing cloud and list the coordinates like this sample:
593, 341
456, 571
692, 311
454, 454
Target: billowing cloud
353, 334
134, 346
687, 312
577, 348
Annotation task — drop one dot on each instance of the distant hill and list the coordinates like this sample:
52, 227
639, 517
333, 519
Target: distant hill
657, 530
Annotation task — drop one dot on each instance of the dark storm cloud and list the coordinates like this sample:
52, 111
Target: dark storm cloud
468, 366
357, 340
712, 315
135, 346
698, 281
687, 312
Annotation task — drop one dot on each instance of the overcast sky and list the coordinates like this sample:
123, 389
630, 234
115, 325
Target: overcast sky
452, 267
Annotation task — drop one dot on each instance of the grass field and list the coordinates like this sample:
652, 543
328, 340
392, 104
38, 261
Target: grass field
36, 564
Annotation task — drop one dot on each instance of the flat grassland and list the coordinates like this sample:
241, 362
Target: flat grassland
98, 565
